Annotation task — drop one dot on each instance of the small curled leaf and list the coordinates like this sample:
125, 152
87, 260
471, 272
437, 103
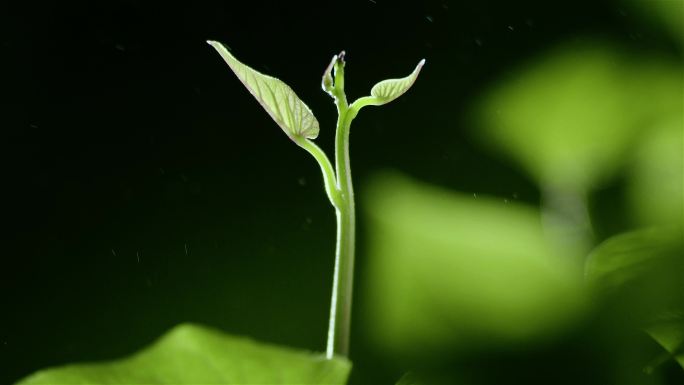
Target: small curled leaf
327, 82
390, 89
277, 98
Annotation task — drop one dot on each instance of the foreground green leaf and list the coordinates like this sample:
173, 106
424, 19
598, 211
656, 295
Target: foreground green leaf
449, 270
277, 98
191, 354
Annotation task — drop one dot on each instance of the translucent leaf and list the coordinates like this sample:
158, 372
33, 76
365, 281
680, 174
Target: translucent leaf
454, 271
191, 354
277, 98
390, 89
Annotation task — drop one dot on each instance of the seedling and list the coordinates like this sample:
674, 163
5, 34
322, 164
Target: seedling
301, 126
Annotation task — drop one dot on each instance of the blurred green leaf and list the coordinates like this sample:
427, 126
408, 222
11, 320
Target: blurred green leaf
449, 269
277, 98
626, 258
670, 13
669, 333
570, 117
656, 179
191, 354
408, 379
646, 269
390, 89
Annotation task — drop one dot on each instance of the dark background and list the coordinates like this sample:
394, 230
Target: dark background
144, 187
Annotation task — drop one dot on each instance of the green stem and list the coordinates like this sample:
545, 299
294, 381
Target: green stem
566, 219
329, 178
343, 278
363, 102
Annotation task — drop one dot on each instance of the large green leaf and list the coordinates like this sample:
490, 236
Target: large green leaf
191, 354
453, 270
570, 117
277, 98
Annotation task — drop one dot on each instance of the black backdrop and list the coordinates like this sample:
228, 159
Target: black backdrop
144, 187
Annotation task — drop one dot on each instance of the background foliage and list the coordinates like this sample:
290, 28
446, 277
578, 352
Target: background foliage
144, 187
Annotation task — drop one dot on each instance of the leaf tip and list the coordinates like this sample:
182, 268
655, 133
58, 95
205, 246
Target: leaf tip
218, 45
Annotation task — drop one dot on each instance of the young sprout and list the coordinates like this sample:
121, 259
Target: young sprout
298, 122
